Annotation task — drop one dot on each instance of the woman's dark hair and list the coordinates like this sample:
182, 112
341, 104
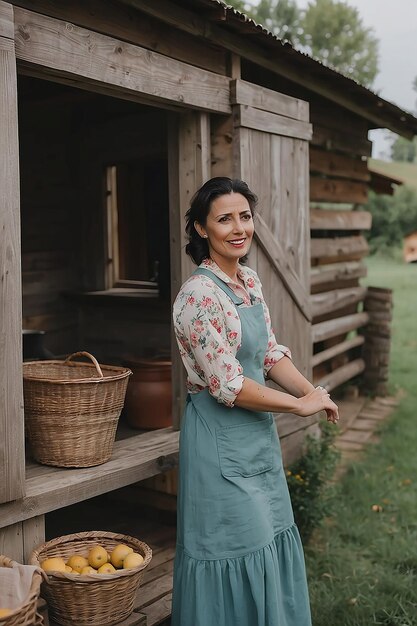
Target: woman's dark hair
197, 247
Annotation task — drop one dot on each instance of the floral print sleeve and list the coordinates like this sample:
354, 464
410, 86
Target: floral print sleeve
208, 337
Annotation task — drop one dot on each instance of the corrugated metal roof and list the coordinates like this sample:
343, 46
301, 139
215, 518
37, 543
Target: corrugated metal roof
379, 109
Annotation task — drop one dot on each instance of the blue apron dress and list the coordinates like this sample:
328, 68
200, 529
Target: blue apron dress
239, 559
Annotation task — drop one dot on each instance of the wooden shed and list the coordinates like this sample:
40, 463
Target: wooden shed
111, 115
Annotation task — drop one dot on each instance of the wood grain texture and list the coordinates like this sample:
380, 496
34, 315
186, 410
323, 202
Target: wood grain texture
344, 346
322, 219
336, 139
249, 117
328, 163
338, 326
33, 535
331, 249
243, 92
341, 375
11, 390
324, 278
133, 459
329, 301
338, 190
68, 50
125, 23
11, 542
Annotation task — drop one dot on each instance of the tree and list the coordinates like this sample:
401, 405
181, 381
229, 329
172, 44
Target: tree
330, 30
282, 17
393, 217
334, 33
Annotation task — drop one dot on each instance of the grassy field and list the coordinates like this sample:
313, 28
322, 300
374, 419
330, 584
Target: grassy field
362, 564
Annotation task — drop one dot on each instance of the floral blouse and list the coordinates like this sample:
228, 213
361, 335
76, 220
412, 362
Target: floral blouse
208, 332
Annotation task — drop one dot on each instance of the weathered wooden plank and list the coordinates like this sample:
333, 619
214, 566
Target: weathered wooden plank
68, 51
123, 23
249, 117
342, 374
338, 190
242, 92
158, 611
11, 542
338, 326
322, 219
328, 301
329, 163
338, 248
275, 253
222, 146
189, 164
153, 590
342, 272
12, 459
62, 487
340, 348
332, 139
33, 535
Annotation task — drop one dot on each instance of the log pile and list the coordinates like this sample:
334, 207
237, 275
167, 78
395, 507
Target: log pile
378, 305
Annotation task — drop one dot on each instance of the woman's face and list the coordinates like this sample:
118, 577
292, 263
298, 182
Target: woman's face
229, 227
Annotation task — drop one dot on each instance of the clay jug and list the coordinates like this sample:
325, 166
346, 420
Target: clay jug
149, 394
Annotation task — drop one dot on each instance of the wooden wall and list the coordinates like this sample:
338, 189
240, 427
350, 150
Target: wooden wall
339, 185
67, 138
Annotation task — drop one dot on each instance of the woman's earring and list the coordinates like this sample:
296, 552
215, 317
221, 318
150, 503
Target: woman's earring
204, 236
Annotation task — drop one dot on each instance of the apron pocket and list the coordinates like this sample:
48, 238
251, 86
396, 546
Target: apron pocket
245, 449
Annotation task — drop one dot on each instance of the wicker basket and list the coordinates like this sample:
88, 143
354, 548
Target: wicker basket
72, 410
90, 600
26, 614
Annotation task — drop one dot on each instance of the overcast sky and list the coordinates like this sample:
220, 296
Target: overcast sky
395, 25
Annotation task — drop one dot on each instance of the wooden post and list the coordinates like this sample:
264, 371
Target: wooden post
378, 305
12, 458
189, 167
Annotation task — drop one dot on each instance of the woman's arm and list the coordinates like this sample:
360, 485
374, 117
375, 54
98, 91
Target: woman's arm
287, 376
257, 397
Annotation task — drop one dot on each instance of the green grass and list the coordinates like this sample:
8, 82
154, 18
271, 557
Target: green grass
362, 565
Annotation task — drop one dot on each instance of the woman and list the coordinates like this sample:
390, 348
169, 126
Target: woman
239, 559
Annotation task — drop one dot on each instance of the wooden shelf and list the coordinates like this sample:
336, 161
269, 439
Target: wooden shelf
134, 458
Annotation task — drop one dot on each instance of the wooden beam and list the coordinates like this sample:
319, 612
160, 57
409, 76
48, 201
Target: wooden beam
339, 348
329, 163
322, 303
93, 60
249, 117
332, 249
193, 23
12, 453
242, 92
323, 219
189, 161
337, 190
332, 139
341, 272
341, 375
273, 250
121, 22
338, 326
49, 488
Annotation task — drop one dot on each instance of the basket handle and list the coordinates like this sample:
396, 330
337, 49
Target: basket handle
89, 356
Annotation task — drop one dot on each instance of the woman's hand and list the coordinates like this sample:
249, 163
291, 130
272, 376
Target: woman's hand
315, 401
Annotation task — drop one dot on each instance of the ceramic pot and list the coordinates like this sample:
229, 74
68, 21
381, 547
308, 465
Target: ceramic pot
149, 394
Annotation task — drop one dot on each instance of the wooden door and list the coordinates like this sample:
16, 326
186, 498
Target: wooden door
270, 143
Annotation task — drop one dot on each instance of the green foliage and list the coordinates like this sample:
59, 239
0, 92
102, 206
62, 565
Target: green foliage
308, 481
393, 217
282, 17
330, 30
404, 150
334, 33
